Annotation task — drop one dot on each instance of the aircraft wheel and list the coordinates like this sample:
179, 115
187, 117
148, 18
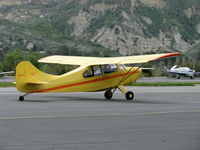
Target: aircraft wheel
108, 94
21, 98
129, 95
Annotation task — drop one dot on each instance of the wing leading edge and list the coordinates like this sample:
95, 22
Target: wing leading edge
87, 61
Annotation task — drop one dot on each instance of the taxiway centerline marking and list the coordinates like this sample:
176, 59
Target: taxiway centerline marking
96, 115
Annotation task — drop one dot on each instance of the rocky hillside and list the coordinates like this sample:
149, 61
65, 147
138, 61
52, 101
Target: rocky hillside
99, 27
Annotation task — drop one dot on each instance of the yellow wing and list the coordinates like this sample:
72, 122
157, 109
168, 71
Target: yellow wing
87, 61
68, 60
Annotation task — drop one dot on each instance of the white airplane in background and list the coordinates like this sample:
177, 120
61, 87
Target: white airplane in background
184, 71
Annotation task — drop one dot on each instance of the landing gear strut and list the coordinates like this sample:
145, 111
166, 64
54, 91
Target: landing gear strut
21, 98
128, 94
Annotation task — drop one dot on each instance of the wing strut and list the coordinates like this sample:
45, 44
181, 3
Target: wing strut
127, 76
129, 95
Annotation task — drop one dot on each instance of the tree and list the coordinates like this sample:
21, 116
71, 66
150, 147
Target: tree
12, 58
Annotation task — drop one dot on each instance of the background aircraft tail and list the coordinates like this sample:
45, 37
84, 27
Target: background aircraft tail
173, 67
26, 74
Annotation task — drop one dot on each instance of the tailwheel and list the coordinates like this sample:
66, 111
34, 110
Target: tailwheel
129, 95
108, 94
21, 98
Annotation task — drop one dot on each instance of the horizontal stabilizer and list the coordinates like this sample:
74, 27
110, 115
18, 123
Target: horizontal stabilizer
29, 82
147, 68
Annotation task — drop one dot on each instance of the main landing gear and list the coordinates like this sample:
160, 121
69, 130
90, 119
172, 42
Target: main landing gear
128, 94
108, 94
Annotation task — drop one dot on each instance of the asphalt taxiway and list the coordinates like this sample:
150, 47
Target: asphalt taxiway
164, 118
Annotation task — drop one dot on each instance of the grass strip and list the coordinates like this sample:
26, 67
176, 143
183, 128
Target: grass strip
6, 84
165, 84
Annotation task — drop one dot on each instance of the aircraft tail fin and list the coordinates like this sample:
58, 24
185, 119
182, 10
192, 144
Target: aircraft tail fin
26, 74
173, 67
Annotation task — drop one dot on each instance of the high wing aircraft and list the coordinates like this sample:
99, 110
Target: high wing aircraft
93, 74
184, 71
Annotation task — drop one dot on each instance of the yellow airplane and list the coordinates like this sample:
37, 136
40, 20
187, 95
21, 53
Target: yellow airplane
93, 74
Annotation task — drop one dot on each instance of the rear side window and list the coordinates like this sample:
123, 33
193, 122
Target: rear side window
88, 73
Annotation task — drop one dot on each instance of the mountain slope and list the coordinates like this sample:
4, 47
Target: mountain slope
99, 27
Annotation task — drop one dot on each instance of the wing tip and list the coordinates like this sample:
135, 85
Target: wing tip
168, 55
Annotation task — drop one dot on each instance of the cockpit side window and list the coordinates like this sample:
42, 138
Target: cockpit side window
109, 68
97, 70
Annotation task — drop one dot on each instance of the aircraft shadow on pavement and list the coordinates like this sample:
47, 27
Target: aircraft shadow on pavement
67, 98
152, 101
84, 98
33, 100
41, 99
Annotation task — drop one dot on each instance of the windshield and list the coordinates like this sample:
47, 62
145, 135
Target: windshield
109, 68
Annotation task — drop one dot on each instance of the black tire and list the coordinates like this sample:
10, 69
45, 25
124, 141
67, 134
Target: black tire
21, 98
129, 95
108, 94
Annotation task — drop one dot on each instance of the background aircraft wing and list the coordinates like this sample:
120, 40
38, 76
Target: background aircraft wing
197, 73
8, 72
88, 61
